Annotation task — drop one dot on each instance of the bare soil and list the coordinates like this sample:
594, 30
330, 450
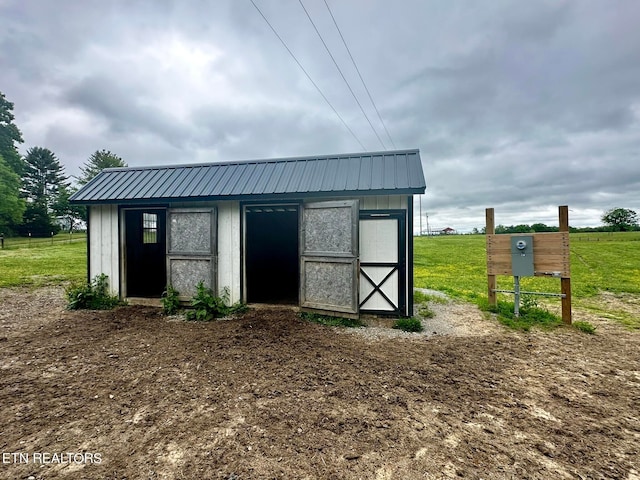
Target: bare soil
268, 395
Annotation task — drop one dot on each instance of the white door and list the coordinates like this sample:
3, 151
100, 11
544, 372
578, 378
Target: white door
382, 265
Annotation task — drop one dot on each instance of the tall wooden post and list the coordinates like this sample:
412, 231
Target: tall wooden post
490, 229
565, 283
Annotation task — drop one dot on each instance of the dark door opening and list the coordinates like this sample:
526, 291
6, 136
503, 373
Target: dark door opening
271, 254
146, 245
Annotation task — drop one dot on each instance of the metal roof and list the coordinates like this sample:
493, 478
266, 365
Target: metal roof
382, 173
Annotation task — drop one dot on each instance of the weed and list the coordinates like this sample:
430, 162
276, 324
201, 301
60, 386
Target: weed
529, 317
207, 307
585, 327
92, 296
410, 324
420, 297
170, 301
331, 321
425, 312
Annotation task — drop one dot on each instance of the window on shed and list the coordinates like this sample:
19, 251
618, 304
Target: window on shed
149, 228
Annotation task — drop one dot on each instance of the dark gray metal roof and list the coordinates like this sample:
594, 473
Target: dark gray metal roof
383, 173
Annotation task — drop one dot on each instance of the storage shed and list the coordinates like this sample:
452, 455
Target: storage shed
332, 233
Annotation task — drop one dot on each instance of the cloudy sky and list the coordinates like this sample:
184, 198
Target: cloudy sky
520, 106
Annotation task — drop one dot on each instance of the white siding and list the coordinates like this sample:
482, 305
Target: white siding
104, 240
229, 247
384, 202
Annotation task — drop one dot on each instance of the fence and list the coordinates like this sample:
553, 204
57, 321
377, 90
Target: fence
11, 243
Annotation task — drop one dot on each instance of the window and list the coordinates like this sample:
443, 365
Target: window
149, 228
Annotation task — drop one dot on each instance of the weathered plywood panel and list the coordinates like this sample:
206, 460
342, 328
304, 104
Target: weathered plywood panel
324, 230
192, 249
551, 254
329, 284
190, 231
186, 273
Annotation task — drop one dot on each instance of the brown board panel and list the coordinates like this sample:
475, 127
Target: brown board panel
550, 250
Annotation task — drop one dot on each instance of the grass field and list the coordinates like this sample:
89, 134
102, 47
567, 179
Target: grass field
43, 262
600, 262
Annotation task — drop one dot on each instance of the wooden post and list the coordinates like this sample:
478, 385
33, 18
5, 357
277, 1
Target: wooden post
565, 282
490, 229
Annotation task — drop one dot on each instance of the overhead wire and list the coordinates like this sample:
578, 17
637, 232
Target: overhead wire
360, 75
307, 75
342, 74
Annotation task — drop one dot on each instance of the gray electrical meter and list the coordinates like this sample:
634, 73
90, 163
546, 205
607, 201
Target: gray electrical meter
522, 256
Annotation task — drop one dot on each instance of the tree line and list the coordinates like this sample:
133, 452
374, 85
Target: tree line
614, 220
34, 188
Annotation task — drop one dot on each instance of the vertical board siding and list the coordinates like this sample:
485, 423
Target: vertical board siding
104, 244
229, 247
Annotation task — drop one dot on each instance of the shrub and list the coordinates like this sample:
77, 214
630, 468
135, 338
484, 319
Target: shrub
408, 324
170, 301
92, 296
529, 317
585, 327
207, 306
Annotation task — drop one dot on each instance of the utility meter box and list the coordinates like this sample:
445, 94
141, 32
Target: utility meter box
522, 256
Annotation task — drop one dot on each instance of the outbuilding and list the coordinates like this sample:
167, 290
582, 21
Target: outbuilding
332, 233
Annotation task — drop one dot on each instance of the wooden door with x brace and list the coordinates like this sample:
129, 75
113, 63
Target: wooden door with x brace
382, 262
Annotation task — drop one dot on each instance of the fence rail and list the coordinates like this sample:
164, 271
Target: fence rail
11, 243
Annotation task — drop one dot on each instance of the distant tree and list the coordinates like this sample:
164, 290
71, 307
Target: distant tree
37, 222
97, 162
43, 177
11, 205
9, 136
541, 227
72, 214
621, 219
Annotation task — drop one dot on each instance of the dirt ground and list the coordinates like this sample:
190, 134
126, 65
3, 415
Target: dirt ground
130, 394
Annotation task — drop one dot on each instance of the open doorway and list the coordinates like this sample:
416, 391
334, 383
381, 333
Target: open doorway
271, 254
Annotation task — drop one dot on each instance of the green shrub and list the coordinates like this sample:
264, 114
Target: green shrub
408, 324
529, 317
331, 321
92, 296
206, 306
585, 327
170, 301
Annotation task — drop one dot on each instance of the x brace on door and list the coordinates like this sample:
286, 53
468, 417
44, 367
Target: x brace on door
377, 287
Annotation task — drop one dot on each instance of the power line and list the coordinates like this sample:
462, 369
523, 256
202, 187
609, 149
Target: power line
308, 76
358, 70
342, 74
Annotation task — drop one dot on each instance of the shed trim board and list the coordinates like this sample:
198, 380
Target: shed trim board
217, 238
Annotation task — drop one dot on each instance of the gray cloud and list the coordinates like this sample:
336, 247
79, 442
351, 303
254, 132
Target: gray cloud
517, 106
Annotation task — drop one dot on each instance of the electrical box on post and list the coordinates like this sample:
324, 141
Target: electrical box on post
522, 256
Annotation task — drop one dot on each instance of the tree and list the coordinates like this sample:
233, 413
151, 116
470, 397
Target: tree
71, 214
43, 177
9, 136
621, 219
11, 205
97, 162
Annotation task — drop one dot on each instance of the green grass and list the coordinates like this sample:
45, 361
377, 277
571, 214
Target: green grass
25, 242
457, 265
44, 264
600, 262
331, 321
